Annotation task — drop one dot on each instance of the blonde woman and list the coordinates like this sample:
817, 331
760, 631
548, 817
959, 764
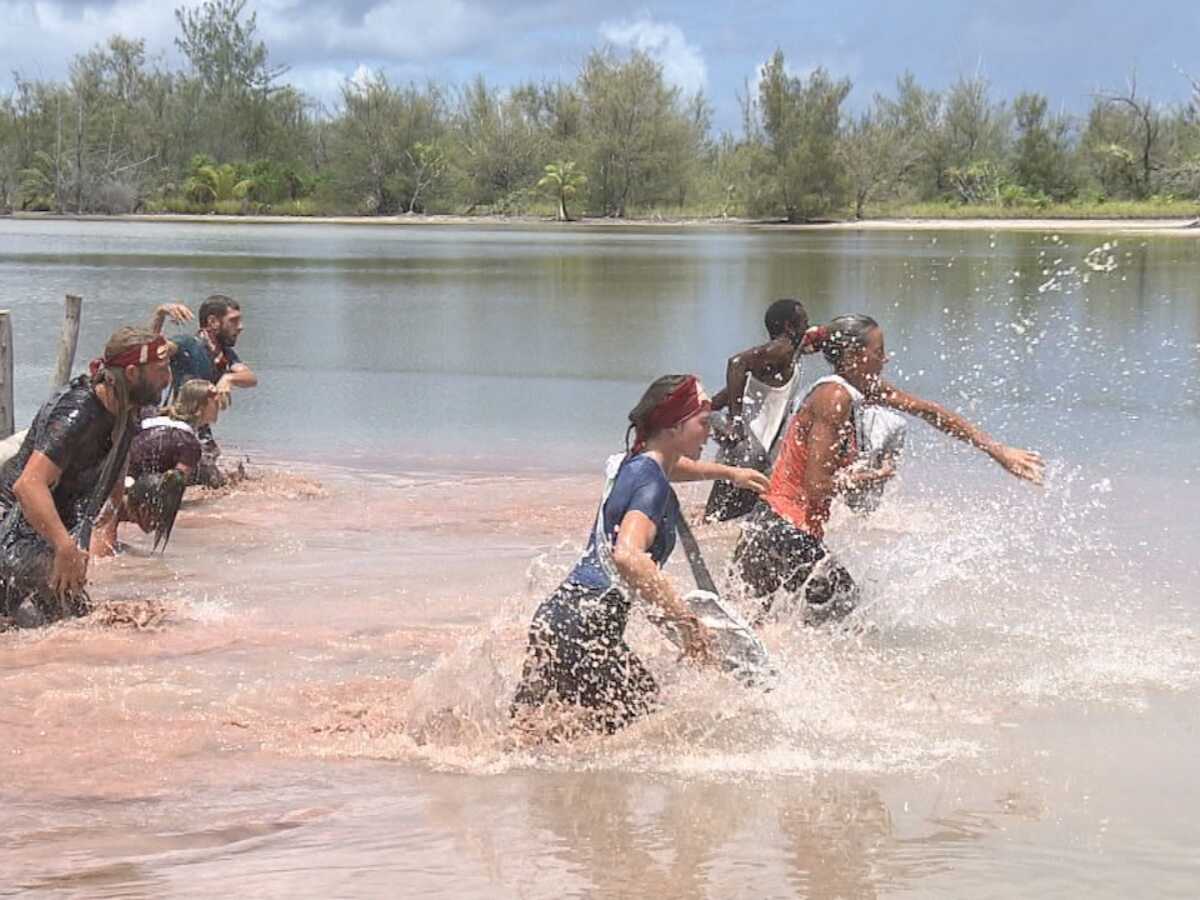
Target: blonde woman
165, 457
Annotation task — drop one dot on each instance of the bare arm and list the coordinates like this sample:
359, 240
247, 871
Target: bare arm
177, 312
632, 559
104, 533
239, 375
1024, 464
32, 490
831, 419
703, 470
773, 353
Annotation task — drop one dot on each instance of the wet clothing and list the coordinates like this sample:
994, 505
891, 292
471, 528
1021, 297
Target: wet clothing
163, 444
765, 410
883, 435
640, 485
577, 653
194, 358
578, 656
788, 571
786, 494
781, 558
74, 431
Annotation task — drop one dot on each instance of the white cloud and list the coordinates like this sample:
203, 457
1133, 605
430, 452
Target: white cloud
391, 30
39, 38
682, 63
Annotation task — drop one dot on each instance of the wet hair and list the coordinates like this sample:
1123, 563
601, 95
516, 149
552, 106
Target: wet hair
783, 312
216, 305
658, 391
190, 401
843, 334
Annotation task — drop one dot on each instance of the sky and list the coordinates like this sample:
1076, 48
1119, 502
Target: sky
1067, 49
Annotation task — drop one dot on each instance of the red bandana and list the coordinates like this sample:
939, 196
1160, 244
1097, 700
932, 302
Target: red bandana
134, 356
678, 406
814, 339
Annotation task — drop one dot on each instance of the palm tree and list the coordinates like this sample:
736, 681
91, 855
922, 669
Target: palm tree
214, 184
563, 181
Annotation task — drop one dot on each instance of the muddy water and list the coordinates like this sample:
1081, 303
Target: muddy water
306, 695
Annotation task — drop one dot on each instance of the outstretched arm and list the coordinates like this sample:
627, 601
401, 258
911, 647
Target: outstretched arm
1024, 464
702, 470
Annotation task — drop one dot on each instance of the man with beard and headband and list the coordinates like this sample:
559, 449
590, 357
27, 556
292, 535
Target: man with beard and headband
71, 461
210, 355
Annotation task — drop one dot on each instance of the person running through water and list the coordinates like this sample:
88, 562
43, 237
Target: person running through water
760, 384
162, 457
781, 559
69, 464
577, 654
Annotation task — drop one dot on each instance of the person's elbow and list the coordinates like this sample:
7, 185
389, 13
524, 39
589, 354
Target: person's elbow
630, 562
26, 487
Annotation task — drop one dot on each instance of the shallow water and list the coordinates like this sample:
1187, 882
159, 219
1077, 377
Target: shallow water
321, 711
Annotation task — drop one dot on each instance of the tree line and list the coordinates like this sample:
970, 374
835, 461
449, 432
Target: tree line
227, 133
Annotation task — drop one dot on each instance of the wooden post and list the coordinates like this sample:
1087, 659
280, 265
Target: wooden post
67, 343
7, 419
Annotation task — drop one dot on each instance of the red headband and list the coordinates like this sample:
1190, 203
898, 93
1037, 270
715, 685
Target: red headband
150, 351
678, 406
814, 339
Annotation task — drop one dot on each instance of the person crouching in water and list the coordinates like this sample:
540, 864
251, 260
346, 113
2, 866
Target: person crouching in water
781, 559
577, 653
162, 459
69, 464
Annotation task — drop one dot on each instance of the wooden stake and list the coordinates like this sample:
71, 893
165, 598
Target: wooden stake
67, 342
7, 422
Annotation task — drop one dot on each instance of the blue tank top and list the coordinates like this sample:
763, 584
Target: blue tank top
640, 485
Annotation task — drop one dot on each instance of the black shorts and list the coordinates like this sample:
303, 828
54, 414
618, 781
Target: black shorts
788, 571
577, 655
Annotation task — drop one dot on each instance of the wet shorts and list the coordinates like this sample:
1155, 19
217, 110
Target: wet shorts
788, 572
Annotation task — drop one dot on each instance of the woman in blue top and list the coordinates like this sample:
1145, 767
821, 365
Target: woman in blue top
577, 652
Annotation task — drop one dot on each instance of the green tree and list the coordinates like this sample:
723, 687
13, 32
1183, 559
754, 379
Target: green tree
499, 142
800, 119
1042, 153
562, 181
375, 166
640, 135
213, 184
1133, 129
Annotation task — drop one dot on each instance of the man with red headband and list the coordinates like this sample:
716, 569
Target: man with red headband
69, 464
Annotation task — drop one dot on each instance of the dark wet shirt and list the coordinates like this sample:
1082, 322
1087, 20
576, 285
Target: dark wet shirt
74, 431
194, 359
158, 448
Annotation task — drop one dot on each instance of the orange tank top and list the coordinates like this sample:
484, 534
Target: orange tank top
786, 493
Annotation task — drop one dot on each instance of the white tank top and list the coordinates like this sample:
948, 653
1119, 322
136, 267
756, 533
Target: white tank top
765, 407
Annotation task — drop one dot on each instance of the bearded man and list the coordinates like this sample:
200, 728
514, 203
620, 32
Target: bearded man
71, 461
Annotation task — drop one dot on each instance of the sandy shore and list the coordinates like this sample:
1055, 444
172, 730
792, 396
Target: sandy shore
1178, 227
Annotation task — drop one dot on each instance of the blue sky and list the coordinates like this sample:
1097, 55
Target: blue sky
1065, 49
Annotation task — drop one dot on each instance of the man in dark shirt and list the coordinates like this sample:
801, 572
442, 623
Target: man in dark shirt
209, 354
70, 462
